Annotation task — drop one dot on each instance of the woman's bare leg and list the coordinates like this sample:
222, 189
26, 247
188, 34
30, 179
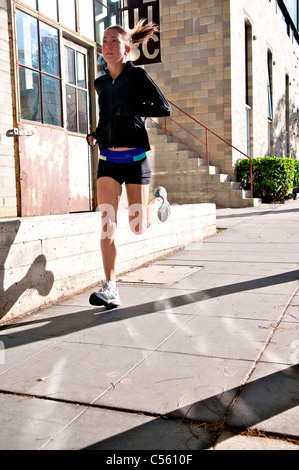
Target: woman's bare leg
109, 192
141, 214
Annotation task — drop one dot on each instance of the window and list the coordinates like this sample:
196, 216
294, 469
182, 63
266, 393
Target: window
287, 109
49, 8
67, 13
30, 3
107, 13
76, 90
63, 11
248, 62
270, 101
39, 70
86, 15
293, 9
248, 85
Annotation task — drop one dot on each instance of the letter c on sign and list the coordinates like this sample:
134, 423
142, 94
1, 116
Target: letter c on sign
146, 51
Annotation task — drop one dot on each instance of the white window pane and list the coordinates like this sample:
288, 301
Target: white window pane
70, 74
49, 48
86, 16
27, 35
30, 96
30, 3
49, 8
67, 13
81, 70
51, 101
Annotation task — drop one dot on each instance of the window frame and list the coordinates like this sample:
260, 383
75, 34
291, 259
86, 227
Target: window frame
94, 55
40, 72
66, 43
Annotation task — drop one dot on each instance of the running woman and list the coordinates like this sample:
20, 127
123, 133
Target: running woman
127, 96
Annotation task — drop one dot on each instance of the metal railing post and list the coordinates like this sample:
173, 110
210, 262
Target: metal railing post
251, 177
207, 147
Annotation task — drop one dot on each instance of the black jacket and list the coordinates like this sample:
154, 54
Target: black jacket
124, 105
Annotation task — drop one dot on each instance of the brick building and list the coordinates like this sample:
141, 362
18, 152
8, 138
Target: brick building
232, 65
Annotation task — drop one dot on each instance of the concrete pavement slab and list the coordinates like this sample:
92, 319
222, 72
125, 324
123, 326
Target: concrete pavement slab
145, 332
223, 337
180, 385
269, 401
77, 372
52, 425
230, 441
284, 346
99, 429
229, 306
28, 422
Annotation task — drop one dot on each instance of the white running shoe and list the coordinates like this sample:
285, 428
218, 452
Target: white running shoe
164, 210
107, 296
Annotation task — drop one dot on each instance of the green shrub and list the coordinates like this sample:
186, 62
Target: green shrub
296, 176
273, 178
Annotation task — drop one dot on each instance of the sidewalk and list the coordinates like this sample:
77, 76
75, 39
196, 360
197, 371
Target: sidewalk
206, 361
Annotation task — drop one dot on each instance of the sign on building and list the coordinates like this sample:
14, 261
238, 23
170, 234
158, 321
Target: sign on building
135, 10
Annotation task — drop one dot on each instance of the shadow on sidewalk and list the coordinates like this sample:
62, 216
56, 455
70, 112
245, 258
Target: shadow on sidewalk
258, 401
37, 277
60, 325
261, 212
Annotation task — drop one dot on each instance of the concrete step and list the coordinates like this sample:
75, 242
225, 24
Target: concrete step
159, 140
188, 178
236, 186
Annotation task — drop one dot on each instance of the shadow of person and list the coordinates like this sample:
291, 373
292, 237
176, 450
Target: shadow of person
37, 277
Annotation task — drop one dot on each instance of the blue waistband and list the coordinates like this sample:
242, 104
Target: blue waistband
123, 156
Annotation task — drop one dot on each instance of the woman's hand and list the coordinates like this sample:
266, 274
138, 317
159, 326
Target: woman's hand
91, 140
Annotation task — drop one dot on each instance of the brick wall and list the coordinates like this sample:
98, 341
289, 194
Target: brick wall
202, 71
195, 60
8, 202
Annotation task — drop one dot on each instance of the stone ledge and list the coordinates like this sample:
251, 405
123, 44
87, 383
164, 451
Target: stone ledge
46, 259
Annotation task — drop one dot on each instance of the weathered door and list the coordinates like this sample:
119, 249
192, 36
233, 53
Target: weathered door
53, 120
44, 182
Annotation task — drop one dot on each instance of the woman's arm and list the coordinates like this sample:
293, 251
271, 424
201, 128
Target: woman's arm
154, 103
145, 98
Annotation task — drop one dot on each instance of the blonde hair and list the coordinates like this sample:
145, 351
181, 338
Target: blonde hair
139, 34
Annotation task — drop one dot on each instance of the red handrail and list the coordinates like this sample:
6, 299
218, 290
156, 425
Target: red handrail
207, 131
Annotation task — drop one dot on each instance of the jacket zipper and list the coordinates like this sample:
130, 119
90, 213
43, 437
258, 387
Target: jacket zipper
113, 121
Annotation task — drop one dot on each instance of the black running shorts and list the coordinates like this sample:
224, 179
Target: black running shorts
137, 172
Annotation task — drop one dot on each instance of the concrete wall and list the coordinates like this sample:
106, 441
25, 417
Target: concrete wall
8, 201
44, 259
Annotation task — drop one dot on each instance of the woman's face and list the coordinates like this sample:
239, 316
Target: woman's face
114, 47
